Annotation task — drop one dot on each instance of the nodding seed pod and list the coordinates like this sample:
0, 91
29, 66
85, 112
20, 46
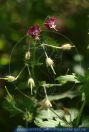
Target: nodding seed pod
50, 63
31, 84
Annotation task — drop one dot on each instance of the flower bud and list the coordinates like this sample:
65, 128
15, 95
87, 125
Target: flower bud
31, 84
27, 116
27, 55
67, 46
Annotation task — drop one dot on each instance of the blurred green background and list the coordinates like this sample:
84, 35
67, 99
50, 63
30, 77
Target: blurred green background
15, 18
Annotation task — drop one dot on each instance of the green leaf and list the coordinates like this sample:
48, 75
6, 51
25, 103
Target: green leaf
68, 78
48, 118
45, 119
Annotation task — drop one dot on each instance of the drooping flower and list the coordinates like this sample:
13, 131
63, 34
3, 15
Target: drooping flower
34, 31
50, 23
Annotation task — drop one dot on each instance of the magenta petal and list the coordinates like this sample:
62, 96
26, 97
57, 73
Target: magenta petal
34, 31
50, 22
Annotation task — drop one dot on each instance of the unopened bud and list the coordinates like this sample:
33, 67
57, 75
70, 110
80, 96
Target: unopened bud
49, 62
27, 55
31, 84
27, 116
67, 46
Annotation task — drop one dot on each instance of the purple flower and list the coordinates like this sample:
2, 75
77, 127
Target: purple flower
34, 31
50, 23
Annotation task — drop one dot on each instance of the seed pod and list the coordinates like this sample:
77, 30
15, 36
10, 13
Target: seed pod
31, 84
27, 55
67, 46
50, 63
11, 78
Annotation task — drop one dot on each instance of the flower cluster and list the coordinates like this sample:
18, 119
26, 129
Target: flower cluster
35, 30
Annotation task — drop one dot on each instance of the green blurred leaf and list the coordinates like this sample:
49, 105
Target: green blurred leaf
85, 85
9, 107
68, 78
48, 118
85, 122
4, 60
2, 44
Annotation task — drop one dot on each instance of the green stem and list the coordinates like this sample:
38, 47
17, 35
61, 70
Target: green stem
33, 62
45, 92
28, 70
7, 91
18, 109
47, 85
23, 93
80, 113
44, 50
52, 46
20, 72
